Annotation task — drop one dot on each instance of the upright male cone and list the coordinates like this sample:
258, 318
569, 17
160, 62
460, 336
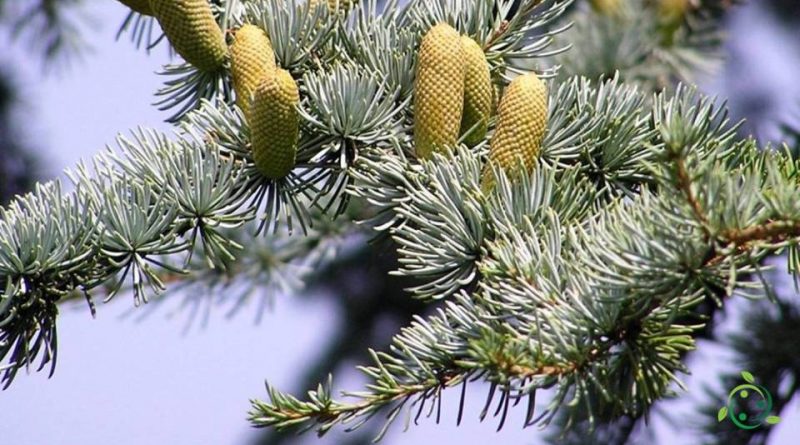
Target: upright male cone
192, 31
275, 124
478, 94
438, 91
140, 6
252, 60
521, 123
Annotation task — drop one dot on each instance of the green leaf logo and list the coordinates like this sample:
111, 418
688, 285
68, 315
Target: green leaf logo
722, 413
773, 420
742, 398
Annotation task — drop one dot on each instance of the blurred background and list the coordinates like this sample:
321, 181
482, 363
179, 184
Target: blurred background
168, 376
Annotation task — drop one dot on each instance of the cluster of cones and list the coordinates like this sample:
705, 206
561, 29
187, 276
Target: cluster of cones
454, 97
454, 101
267, 95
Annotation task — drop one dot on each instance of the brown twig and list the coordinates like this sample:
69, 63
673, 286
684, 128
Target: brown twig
685, 185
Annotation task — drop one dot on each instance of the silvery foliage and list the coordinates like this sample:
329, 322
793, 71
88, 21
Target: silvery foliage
580, 277
635, 44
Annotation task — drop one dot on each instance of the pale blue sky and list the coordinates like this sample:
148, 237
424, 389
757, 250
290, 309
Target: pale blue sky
127, 382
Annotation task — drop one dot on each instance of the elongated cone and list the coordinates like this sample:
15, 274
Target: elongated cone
607, 7
192, 31
252, 59
478, 93
521, 123
275, 124
438, 91
140, 6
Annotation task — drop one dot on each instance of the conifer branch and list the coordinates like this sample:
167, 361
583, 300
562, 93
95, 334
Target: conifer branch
513, 332
570, 277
